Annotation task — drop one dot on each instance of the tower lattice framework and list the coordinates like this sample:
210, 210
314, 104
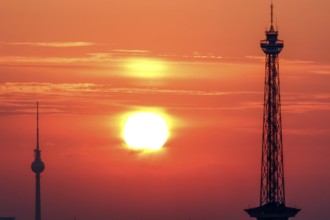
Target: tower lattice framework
272, 190
272, 171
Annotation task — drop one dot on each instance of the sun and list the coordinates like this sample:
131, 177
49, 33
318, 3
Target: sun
145, 131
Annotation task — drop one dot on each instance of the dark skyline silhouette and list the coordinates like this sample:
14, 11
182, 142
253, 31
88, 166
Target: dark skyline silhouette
37, 167
272, 189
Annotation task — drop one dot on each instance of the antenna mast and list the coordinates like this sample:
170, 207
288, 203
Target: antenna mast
37, 125
272, 13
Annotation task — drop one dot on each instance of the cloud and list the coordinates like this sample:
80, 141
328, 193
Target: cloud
52, 44
321, 96
258, 58
285, 61
33, 87
60, 60
125, 51
304, 132
305, 106
288, 61
88, 58
76, 98
302, 102
121, 55
291, 131
92, 98
322, 72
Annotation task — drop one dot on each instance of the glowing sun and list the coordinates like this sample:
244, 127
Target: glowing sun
145, 131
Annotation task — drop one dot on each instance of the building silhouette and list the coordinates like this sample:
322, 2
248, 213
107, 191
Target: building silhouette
272, 193
37, 167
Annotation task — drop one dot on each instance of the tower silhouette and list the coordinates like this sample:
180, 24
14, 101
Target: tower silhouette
37, 167
272, 192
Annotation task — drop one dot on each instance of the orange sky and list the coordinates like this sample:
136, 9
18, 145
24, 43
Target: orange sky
90, 62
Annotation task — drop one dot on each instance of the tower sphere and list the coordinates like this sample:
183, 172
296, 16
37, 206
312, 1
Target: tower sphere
37, 166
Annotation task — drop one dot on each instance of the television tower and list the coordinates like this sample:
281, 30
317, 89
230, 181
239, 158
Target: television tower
272, 193
37, 167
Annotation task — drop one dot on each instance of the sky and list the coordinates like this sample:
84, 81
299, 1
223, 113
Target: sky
199, 64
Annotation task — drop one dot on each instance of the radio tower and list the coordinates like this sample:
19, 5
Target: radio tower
37, 167
272, 194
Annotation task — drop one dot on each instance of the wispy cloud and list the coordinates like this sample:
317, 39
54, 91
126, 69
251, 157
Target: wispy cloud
125, 51
291, 131
305, 106
288, 61
89, 96
285, 61
33, 87
322, 72
302, 103
257, 58
105, 55
60, 60
88, 58
52, 44
311, 132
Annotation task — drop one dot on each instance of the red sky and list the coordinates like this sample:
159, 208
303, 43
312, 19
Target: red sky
89, 63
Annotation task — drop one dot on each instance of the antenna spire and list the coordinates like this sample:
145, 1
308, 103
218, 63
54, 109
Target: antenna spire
37, 125
272, 14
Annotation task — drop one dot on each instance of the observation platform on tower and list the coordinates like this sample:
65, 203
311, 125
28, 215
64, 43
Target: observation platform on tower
272, 211
272, 45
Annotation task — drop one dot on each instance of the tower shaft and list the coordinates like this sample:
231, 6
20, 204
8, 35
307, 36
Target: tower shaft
272, 172
272, 194
38, 198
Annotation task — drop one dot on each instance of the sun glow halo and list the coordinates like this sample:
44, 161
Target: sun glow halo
145, 131
146, 68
